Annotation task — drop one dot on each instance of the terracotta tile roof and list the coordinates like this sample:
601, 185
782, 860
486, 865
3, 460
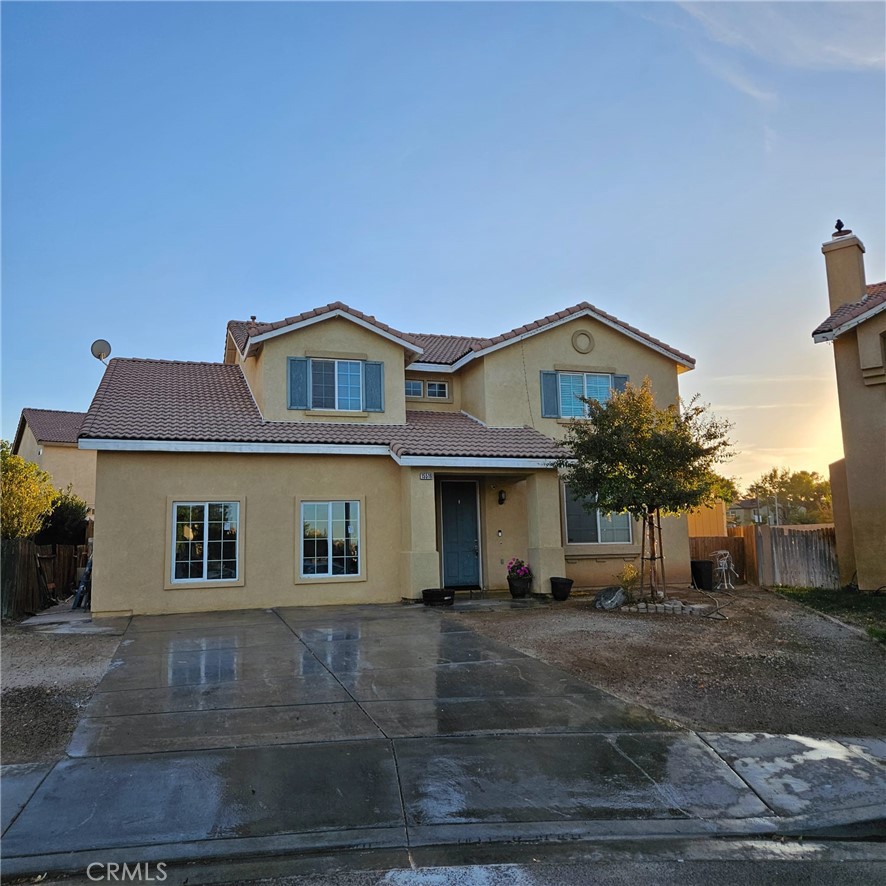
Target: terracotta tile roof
874, 297
449, 349
445, 349
51, 425
168, 400
241, 330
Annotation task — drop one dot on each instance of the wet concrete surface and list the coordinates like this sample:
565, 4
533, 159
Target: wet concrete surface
17, 784
358, 726
794, 774
162, 798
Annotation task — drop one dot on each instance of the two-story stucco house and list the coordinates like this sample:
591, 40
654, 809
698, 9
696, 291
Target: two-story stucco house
48, 437
333, 459
856, 327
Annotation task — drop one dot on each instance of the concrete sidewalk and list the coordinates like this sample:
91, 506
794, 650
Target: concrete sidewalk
269, 732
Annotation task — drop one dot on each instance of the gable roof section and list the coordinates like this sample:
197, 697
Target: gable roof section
850, 315
204, 403
50, 426
248, 334
446, 352
456, 351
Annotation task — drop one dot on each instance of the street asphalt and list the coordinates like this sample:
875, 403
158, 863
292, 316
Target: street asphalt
262, 733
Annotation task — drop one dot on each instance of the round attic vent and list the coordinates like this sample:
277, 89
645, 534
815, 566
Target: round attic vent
583, 341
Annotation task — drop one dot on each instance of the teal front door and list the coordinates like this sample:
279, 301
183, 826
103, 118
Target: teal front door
461, 535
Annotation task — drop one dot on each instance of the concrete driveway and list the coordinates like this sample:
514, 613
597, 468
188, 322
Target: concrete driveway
222, 734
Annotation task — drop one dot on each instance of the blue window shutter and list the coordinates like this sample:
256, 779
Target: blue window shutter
298, 383
374, 386
619, 382
550, 400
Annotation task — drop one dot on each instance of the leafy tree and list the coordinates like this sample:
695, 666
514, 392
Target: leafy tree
629, 455
27, 495
66, 525
803, 496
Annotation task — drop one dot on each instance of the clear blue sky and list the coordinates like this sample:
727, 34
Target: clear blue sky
459, 168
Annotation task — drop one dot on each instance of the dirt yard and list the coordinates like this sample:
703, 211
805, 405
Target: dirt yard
46, 679
774, 666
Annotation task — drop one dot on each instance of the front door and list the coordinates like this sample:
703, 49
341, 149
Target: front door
461, 536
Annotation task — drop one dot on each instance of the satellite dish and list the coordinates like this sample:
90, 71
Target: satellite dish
100, 349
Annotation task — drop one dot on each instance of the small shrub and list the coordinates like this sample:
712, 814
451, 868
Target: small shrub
629, 579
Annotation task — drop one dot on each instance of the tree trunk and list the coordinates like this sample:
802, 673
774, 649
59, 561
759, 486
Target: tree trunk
664, 578
653, 579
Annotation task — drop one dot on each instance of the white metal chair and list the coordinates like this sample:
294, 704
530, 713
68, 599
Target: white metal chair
724, 569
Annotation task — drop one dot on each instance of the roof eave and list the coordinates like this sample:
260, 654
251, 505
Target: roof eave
254, 340
680, 359
831, 334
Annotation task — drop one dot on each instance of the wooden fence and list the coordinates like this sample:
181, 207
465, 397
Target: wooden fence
700, 548
33, 577
789, 555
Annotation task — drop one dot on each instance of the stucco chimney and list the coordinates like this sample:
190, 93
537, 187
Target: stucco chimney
844, 260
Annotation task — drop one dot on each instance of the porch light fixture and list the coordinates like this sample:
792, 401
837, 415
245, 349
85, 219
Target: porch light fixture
502, 496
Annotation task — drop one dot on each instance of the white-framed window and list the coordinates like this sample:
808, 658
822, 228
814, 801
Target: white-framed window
337, 384
594, 526
204, 541
438, 390
572, 385
414, 387
330, 538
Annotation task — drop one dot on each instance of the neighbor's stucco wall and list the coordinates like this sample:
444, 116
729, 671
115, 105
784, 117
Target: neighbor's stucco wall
268, 372
133, 528
65, 463
863, 420
707, 521
842, 521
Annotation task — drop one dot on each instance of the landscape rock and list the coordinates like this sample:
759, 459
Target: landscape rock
610, 598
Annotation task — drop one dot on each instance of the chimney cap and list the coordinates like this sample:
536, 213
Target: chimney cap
840, 232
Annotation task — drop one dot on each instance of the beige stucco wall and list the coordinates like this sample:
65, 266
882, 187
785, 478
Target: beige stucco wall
512, 380
267, 373
133, 528
863, 420
66, 463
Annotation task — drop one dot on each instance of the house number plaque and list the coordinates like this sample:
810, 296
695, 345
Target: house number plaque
425, 475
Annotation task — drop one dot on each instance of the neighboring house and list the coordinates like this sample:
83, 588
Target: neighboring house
48, 437
857, 329
333, 459
751, 510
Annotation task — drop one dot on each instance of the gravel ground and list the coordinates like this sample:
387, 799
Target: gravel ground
46, 679
774, 666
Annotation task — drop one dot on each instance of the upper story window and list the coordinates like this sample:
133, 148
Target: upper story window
560, 391
414, 388
344, 385
438, 390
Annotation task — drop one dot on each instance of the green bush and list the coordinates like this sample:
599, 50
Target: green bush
66, 525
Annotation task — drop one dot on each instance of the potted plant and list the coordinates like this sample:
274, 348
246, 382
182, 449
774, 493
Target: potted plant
519, 577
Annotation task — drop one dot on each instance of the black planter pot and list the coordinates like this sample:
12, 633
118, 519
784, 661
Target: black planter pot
560, 588
438, 596
519, 585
